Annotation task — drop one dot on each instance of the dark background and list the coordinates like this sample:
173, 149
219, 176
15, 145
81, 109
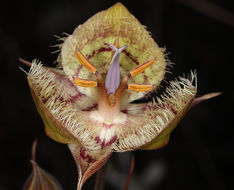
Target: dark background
198, 35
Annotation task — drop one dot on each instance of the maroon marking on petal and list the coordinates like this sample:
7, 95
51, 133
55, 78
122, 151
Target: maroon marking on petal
60, 78
86, 157
163, 106
46, 99
107, 126
98, 140
90, 108
103, 32
78, 71
172, 109
75, 97
131, 57
125, 111
102, 49
113, 139
103, 143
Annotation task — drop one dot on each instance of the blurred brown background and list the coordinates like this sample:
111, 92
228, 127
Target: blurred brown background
198, 35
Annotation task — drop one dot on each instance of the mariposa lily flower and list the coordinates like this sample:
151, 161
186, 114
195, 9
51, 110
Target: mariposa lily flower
106, 64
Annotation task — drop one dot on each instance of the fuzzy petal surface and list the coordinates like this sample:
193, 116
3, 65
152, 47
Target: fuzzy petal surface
104, 27
59, 102
158, 118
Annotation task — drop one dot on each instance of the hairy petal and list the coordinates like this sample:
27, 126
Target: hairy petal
58, 101
158, 119
88, 161
104, 27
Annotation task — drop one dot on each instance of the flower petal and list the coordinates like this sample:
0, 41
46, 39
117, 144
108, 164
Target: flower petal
104, 27
158, 119
57, 100
88, 161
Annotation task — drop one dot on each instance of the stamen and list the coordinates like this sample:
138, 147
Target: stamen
140, 87
85, 83
142, 67
85, 62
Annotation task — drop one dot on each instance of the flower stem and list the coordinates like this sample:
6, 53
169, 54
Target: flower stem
100, 177
130, 172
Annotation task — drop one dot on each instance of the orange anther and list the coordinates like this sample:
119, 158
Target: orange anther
85, 83
140, 68
140, 87
85, 62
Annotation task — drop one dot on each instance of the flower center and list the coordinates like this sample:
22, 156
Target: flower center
110, 91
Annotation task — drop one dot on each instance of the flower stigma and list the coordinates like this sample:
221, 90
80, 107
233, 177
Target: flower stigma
111, 89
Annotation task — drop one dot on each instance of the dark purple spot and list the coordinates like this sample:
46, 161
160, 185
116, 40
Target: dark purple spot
98, 140
46, 99
90, 108
86, 156
125, 111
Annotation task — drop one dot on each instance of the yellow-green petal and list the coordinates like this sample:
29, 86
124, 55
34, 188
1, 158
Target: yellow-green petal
105, 27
